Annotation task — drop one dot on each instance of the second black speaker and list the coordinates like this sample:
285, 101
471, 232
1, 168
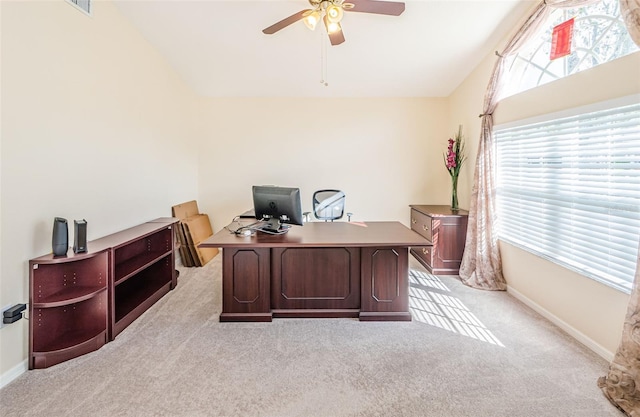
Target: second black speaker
79, 236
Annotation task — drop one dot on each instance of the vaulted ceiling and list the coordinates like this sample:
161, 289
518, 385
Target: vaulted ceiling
219, 49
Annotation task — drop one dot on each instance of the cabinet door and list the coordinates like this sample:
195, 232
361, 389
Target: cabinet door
385, 284
449, 235
246, 275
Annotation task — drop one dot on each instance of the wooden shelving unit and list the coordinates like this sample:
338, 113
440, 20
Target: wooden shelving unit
144, 272
79, 302
68, 306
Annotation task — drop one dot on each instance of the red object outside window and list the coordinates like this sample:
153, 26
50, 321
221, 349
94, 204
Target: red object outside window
561, 39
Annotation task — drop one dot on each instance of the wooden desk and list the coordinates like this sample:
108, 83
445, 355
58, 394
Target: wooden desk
337, 269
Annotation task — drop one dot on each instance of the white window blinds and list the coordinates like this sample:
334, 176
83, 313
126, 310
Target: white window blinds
568, 189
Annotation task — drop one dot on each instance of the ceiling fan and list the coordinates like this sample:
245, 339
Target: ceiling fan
331, 12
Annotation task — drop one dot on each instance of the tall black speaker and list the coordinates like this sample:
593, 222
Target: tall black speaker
60, 241
79, 236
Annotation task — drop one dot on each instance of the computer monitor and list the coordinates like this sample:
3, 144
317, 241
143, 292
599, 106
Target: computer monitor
277, 205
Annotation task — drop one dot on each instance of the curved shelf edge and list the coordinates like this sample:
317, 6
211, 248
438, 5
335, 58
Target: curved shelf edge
68, 301
44, 359
49, 259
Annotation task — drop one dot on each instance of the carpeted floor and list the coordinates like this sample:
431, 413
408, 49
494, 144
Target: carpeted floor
466, 353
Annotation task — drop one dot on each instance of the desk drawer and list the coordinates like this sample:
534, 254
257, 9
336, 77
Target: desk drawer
425, 256
422, 224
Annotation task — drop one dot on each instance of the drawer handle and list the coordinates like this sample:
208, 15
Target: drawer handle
425, 227
413, 221
425, 251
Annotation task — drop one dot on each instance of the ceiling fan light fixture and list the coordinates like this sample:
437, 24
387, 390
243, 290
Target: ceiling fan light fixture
333, 27
312, 19
334, 13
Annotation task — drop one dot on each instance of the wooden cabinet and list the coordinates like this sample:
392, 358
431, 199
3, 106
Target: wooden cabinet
446, 230
78, 302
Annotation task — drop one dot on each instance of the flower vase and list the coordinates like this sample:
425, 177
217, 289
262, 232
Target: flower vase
454, 194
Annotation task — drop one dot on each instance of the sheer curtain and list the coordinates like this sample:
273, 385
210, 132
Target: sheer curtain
481, 262
630, 11
621, 385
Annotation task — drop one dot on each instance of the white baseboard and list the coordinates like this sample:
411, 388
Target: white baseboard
572, 331
13, 373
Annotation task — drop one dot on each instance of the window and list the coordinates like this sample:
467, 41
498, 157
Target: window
599, 36
568, 188
83, 5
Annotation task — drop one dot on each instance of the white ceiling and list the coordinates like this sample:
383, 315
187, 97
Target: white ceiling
219, 49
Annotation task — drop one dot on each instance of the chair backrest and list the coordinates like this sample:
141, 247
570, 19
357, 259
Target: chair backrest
328, 204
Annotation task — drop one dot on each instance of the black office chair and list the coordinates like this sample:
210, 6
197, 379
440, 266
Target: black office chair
328, 205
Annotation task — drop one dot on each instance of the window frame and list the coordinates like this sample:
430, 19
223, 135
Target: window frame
521, 67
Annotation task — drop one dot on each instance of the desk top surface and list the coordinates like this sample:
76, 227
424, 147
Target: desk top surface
321, 234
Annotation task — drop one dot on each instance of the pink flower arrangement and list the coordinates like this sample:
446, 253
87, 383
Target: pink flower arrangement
454, 157
453, 161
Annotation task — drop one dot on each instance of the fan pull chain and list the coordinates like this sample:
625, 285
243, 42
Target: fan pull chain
323, 61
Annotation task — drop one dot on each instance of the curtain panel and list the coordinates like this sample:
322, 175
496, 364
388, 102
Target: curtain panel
630, 11
621, 385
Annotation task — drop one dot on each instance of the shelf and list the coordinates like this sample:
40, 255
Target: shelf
132, 308
40, 360
129, 268
61, 327
68, 296
69, 340
134, 291
71, 256
70, 282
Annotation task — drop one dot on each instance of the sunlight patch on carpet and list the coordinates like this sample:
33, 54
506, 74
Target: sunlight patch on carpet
428, 305
426, 280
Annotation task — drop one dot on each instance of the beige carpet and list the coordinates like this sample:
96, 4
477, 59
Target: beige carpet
467, 353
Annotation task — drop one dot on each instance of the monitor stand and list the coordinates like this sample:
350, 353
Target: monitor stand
273, 225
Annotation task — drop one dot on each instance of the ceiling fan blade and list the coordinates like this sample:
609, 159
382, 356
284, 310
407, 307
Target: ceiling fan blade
390, 8
285, 22
336, 36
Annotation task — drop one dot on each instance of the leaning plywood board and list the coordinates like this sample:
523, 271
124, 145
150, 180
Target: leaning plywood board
184, 210
197, 229
190, 246
185, 256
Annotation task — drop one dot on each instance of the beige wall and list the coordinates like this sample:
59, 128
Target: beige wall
384, 153
588, 310
95, 125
